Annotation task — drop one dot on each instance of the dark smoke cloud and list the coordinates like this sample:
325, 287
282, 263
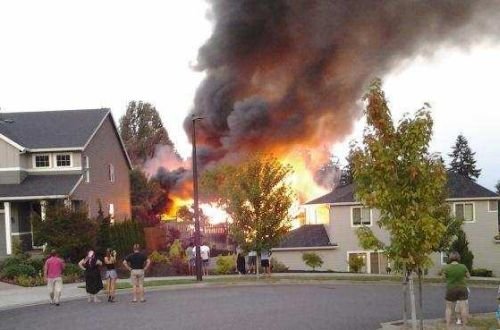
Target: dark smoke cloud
285, 74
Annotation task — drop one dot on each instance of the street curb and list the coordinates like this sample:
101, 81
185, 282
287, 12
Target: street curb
431, 323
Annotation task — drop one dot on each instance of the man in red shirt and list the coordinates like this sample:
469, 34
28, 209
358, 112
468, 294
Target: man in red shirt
52, 272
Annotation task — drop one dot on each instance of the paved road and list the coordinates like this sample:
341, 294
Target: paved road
301, 307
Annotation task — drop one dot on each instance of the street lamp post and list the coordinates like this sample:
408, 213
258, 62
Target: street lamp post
199, 276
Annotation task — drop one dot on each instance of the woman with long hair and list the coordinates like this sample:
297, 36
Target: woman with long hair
110, 275
93, 282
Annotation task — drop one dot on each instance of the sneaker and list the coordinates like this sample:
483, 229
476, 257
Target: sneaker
109, 298
143, 300
57, 304
459, 321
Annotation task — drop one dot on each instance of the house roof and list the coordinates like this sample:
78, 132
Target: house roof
40, 186
52, 129
306, 236
458, 187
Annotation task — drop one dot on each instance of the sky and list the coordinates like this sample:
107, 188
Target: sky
92, 54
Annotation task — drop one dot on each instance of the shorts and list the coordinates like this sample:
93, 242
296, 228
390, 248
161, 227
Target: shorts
110, 273
206, 262
55, 284
264, 263
455, 294
252, 260
137, 277
192, 262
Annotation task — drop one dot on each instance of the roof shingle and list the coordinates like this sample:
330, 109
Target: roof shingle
40, 186
306, 236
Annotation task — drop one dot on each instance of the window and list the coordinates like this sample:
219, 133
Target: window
111, 213
87, 169
361, 216
464, 211
111, 173
63, 160
492, 206
42, 161
444, 258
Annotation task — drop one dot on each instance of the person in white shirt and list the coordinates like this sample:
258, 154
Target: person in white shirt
205, 257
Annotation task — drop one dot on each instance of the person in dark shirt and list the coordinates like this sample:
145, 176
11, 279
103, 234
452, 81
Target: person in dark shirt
137, 263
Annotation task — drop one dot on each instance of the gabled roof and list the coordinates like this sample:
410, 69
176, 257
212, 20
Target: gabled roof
306, 236
69, 129
459, 187
40, 187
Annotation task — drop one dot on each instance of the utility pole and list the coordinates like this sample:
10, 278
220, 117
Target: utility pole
199, 276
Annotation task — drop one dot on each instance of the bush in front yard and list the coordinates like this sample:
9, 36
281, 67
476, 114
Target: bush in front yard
225, 265
29, 281
482, 272
312, 260
123, 235
10, 261
70, 232
356, 263
16, 270
278, 267
72, 270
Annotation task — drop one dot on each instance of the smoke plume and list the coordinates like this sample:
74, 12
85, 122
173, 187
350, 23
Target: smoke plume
287, 75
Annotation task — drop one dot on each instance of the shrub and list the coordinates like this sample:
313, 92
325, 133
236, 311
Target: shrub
461, 245
72, 270
70, 232
179, 265
123, 235
10, 261
176, 250
37, 264
158, 258
482, 272
278, 267
225, 265
29, 281
312, 260
14, 271
356, 263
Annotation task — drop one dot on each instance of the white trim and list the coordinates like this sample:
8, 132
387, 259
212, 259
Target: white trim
21, 233
111, 173
12, 143
54, 169
441, 258
490, 210
55, 149
361, 225
8, 169
87, 168
306, 248
367, 260
473, 210
76, 185
472, 199
25, 198
96, 129
8, 229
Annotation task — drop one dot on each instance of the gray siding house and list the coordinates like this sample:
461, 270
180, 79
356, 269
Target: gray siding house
74, 157
339, 214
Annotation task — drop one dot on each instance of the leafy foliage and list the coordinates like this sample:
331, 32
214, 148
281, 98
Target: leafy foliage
256, 197
142, 131
312, 260
346, 175
124, 234
176, 250
395, 173
497, 187
225, 265
72, 270
356, 263
482, 272
328, 174
16, 270
462, 159
277, 266
103, 222
461, 245
147, 197
68, 231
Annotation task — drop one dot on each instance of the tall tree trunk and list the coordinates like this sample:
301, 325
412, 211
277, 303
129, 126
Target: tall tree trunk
412, 303
257, 258
420, 299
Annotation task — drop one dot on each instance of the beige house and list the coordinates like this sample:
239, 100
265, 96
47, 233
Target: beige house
331, 221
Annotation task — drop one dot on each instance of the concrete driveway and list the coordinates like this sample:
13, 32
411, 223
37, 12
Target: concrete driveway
268, 307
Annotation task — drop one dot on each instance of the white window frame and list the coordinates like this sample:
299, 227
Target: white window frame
473, 211
111, 170
37, 155
360, 225
367, 260
441, 258
63, 154
489, 203
87, 170
111, 212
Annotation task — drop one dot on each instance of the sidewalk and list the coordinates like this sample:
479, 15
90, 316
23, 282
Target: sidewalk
12, 296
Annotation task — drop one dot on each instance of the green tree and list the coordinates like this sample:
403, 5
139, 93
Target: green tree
312, 260
346, 176
103, 222
147, 197
256, 197
497, 187
70, 232
461, 245
395, 173
142, 131
462, 159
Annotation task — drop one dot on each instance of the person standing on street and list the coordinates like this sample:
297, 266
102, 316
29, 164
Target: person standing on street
252, 261
265, 257
456, 288
110, 275
137, 263
190, 258
52, 272
93, 281
205, 257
